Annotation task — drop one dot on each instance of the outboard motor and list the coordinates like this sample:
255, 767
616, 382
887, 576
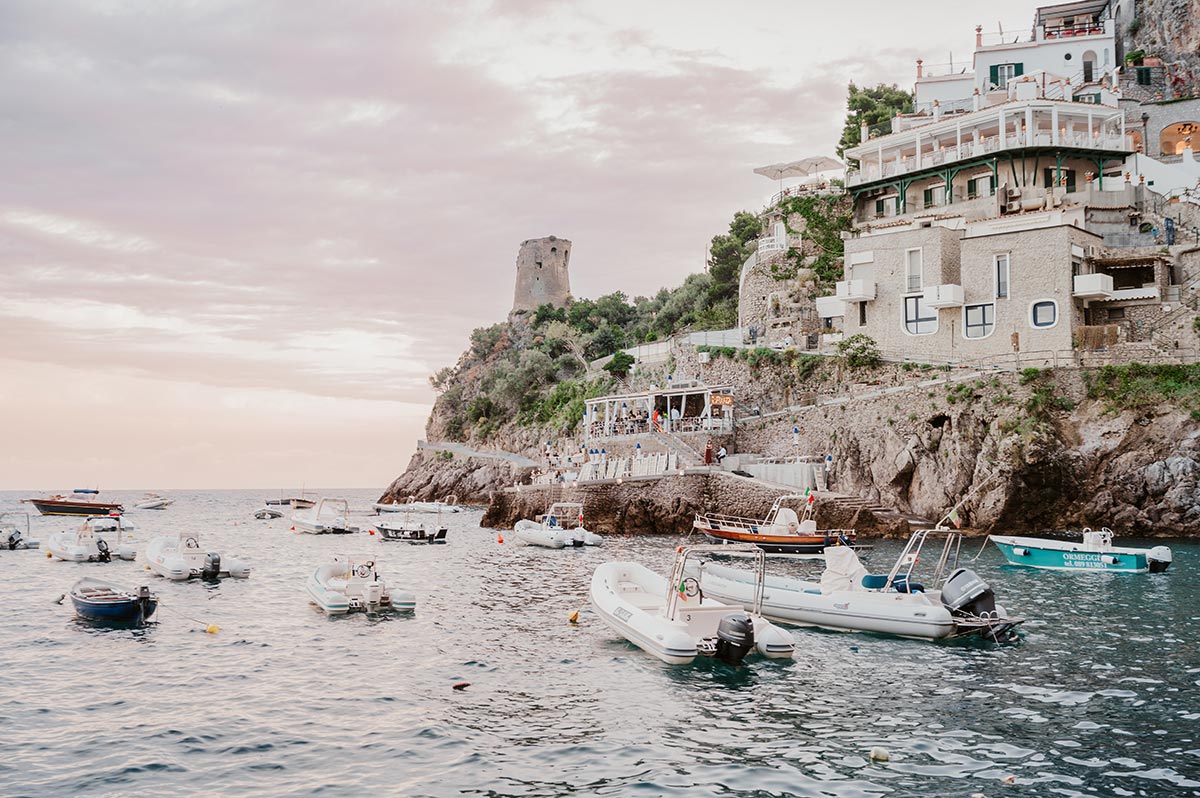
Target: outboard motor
212, 566
965, 592
735, 638
1159, 559
14, 540
102, 552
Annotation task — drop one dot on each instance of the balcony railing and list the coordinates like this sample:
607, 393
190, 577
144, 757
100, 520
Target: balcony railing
1093, 286
947, 295
829, 307
855, 290
871, 171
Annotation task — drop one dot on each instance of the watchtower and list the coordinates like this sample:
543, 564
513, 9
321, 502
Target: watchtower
542, 273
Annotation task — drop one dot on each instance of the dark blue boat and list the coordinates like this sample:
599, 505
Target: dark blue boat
98, 600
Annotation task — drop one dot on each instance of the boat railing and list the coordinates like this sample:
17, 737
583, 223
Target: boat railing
907, 562
731, 522
679, 570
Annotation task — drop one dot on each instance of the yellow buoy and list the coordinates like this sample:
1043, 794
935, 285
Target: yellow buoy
574, 617
213, 629
49, 555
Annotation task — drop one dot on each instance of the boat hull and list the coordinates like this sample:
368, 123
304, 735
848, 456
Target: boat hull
63, 507
776, 544
128, 611
1068, 556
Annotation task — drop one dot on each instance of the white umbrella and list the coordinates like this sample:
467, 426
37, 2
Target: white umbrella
800, 168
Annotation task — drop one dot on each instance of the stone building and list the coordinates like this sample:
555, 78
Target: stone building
542, 275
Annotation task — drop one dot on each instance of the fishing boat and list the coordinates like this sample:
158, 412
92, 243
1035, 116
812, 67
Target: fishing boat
264, 513
674, 621
80, 505
179, 558
781, 532
1095, 552
89, 544
13, 537
449, 504
408, 532
956, 603
295, 502
345, 585
102, 601
328, 517
559, 527
153, 501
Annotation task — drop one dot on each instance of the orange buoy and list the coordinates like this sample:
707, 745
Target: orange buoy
462, 685
499, 538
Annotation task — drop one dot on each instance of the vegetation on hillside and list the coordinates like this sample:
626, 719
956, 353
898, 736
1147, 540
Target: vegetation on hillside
875, 106
825, 217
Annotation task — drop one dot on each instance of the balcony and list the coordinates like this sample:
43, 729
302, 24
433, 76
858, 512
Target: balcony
944, 296
855, 290
771, 244
829, 307
1093, 286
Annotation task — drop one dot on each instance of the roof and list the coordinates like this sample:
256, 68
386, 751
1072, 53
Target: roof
684, 391
1069, 9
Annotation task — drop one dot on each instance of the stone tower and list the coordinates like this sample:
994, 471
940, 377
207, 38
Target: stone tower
542, 273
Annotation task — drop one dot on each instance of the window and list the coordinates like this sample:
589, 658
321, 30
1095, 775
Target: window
1143, 76
932, 196
979, 320
1116, 314
1001, 74
1002, 276
1044, 313
862, 314
912, 270
919, 318
1051, 173
981, 187
879, 207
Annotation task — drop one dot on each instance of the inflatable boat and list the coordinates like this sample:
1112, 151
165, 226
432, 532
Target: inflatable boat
181, 558
448, 504
102, 601
328, 517
559, 527
673, 620
13, 537
1095, 553
345, 585
848, 598
89, 544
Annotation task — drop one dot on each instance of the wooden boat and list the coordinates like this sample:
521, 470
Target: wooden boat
1096, 552
781, 532
64, 505
97, 600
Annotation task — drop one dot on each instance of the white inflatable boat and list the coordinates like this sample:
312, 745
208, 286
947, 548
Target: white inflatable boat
328, 517
345, 585
848, 598
181, 558
13, 537
449, 504
89, 544
559, 527
674, 621
153, 501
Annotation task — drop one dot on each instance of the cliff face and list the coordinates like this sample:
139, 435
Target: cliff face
1167, 28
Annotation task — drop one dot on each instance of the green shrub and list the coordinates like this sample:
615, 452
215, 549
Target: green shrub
1029, 375
859, 351
620, 364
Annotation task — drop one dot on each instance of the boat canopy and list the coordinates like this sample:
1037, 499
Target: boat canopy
86, 490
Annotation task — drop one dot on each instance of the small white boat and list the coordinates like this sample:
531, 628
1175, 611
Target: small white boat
674, 621
1095, 553
264, 513
328, 517
559, 527
345, 585
152, 501
90, 544
408, 532
848, 598
13, 537
111, 523
181, 558
449, 504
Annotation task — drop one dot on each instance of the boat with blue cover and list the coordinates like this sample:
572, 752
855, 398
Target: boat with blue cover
1095, 552
98, 600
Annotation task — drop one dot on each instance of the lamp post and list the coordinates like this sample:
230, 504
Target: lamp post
1145, 135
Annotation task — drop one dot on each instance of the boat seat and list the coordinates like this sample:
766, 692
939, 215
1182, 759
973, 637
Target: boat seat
874, 581
900, 583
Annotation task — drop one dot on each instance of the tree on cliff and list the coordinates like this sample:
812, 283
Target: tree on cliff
726, 255
875, 106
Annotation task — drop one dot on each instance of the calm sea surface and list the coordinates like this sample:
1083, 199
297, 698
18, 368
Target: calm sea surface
1100, 697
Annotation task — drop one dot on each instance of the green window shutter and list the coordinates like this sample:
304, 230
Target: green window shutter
927, 197
879, 207
972, 185
994, 74
1018, 70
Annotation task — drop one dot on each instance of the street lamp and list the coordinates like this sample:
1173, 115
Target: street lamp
1145, 135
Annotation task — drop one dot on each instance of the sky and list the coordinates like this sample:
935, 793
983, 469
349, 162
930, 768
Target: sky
237, 237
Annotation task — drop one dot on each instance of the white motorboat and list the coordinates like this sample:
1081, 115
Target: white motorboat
674, 621
179, 558
558, 527
91, 544
408, 532
328, 517
111, 523
264, 513
1096, 552
346, 585
449, 504
15, 536
848, 598
152, 501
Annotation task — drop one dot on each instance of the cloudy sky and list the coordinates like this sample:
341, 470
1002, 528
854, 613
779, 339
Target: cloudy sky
235, 237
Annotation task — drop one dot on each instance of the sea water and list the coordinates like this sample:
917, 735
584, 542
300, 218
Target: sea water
1101, 696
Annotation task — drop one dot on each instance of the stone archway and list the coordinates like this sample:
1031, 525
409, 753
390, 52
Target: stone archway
1176, 138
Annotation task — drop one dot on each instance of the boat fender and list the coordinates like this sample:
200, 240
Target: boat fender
212, 565
1020, 552
1109, 559
102, 547
690, 588
735, 638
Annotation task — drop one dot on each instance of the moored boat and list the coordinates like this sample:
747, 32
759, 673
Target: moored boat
346, 585
328, 517
97, 600
264, 513
87, 543
848, 598
80, 505
1095, 552
179, 558
559, 527
153, 501
408, 532
13, 537
673, 620
448, 504
781, 532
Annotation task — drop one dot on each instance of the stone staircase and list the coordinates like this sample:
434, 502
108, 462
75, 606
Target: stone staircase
687, 454
854, 504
